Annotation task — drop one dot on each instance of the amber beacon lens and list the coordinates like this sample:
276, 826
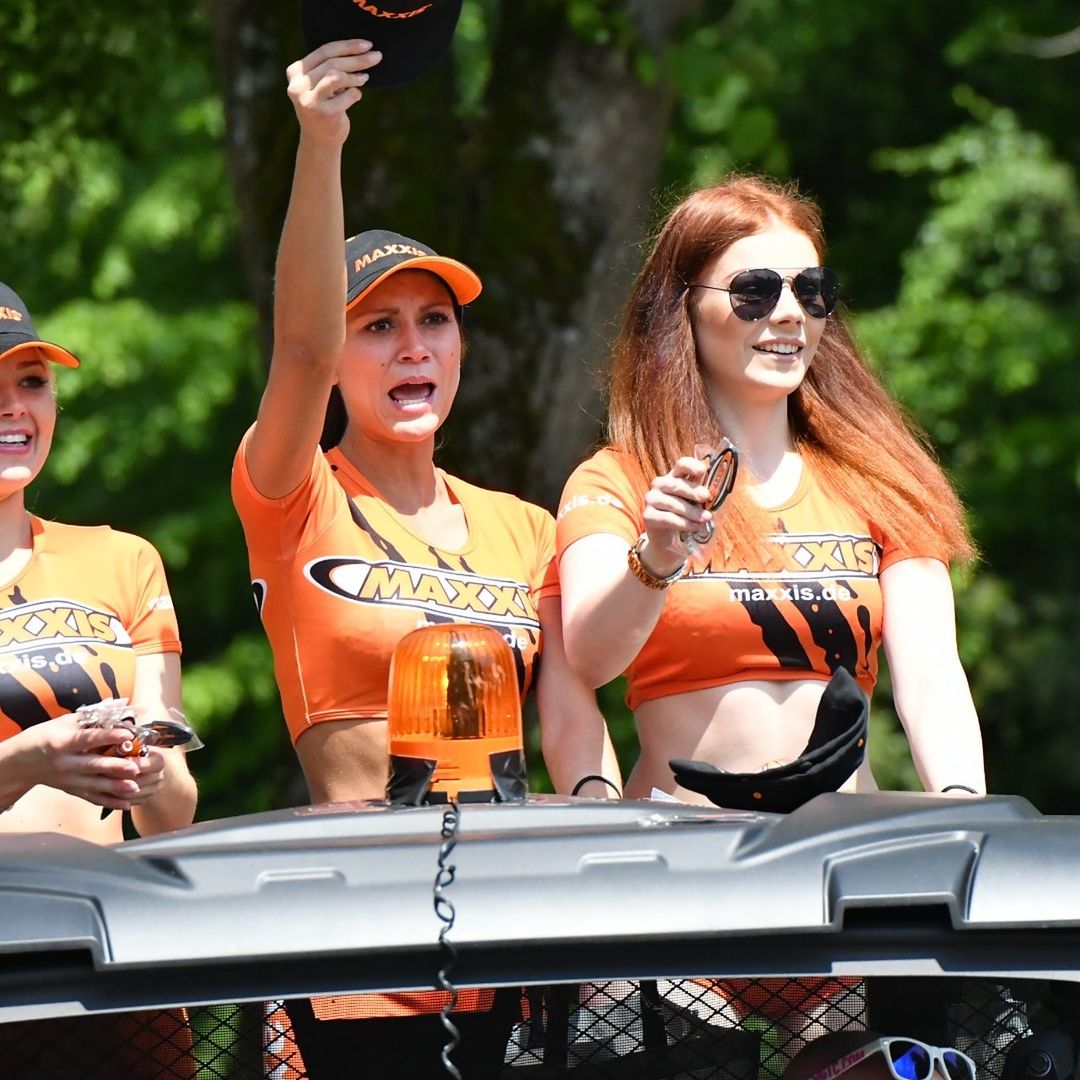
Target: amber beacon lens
454, 716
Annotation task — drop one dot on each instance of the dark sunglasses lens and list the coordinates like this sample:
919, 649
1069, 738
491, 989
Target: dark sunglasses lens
817, 288
959, 1067
754, 293
910, 1061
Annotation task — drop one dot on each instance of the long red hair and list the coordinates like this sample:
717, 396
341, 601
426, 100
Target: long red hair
859, 444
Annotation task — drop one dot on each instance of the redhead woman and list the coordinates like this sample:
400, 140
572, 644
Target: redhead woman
85, 616
352, 547
732, 618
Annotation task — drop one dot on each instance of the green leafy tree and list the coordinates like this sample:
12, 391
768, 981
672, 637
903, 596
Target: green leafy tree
120, 232
145, 156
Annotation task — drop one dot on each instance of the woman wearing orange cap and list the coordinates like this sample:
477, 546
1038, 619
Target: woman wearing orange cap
85, 616
355, 537
354, 544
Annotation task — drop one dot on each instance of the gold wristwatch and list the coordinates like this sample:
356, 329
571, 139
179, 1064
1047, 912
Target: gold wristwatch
645, 575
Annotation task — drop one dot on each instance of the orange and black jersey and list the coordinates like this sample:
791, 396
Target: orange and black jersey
339, 579
72, 622
816, 609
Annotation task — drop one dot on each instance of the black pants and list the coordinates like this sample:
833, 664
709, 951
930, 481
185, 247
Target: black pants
403, 1047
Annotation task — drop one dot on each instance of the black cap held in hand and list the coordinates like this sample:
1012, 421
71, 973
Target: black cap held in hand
836, 749
412, 35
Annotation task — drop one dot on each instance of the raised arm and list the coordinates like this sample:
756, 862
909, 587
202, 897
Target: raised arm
309, 292
930, 689
608, 611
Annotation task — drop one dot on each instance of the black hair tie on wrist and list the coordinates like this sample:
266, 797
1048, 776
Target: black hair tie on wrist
595, 776
959, 787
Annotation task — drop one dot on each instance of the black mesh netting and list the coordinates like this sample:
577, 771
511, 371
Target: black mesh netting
685, 1029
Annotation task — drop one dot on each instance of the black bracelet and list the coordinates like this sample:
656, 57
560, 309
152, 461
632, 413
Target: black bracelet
959, 787
595, 776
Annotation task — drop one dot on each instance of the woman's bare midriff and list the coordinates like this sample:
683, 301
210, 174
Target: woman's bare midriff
45, 809
740, 727
344, 759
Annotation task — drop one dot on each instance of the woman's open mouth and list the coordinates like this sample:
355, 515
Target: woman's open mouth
412, 393
14, 442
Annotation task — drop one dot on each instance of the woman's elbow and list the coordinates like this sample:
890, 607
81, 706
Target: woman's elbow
590, 664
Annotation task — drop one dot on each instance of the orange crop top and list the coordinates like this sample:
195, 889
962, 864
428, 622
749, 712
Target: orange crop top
90, 600
727, 623
338, 585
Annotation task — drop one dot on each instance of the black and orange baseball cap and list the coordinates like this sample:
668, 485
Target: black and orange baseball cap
370, 256
17, 331
412, 35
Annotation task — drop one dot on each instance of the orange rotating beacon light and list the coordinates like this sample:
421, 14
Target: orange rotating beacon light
454, 718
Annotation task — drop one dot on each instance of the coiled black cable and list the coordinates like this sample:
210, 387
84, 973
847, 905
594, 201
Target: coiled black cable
444, 912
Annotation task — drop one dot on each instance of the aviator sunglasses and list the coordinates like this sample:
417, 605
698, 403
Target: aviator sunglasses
754, 293
908, 1059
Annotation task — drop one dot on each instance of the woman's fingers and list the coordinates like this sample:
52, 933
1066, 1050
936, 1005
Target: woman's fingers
351, 51
151, 775
678, 497
675, 508
331, 70
105, 781
84, 740
682, 507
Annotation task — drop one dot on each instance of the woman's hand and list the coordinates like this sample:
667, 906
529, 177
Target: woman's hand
60, 754
674, 508
151, 777
326, 83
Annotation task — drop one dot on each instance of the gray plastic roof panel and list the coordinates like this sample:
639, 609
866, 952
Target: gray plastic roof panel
557, 881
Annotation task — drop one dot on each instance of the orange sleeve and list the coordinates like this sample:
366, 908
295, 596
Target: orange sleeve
276, 528
153, 626
599, 497
893, 552
545, 581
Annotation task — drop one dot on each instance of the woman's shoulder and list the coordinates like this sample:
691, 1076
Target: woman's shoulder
609, 473
88, 540
608, 457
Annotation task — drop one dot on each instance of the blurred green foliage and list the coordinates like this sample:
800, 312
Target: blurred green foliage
943, 154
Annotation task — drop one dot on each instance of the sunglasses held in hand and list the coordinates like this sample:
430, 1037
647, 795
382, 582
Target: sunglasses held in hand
722, 466
116, 712
754, 293
907, 1059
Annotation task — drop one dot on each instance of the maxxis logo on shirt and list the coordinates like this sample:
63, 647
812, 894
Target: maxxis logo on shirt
812, 557
453, 594
42, 623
